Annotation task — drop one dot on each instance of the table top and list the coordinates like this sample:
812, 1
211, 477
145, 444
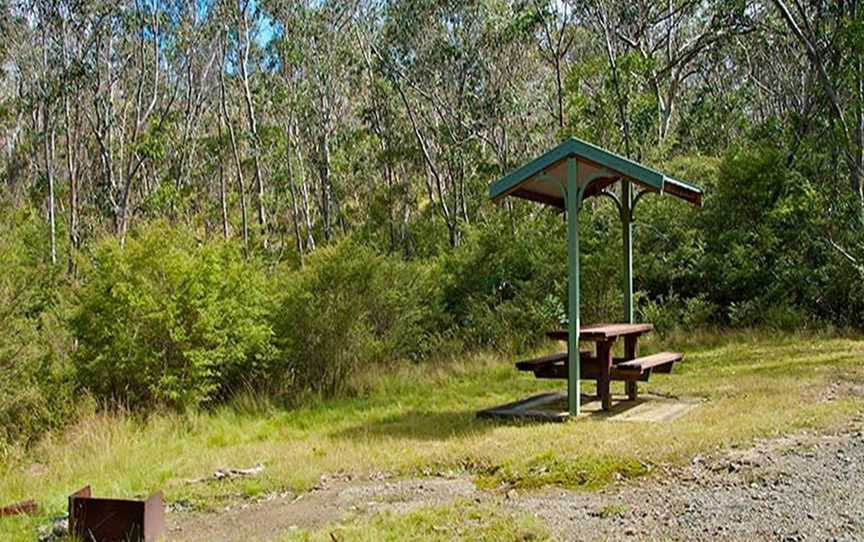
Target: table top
602, 332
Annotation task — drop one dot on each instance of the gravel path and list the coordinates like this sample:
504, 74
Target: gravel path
804, 487
807, 487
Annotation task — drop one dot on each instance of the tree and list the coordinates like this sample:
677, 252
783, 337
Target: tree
555, 38
834, 44
436, 60
242, 17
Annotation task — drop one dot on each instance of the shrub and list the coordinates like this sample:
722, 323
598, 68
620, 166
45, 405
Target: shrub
669, 250
671, 311
349, 308
35, 387
506, 283
170, 320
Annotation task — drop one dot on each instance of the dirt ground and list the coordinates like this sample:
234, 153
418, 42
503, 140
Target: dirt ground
802, 487
332, 500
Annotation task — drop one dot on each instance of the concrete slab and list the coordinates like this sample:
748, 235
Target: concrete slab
552, 407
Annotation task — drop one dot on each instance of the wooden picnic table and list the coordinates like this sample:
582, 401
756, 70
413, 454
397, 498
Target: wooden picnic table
604, 332
601, 364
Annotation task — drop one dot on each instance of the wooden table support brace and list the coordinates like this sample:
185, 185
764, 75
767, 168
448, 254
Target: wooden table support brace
604, 357
631, 351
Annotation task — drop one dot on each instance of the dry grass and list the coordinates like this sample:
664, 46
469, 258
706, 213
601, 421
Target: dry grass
420, 420
462, 520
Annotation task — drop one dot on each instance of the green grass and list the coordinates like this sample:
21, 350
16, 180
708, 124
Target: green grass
461, 520
612, 510
419, 420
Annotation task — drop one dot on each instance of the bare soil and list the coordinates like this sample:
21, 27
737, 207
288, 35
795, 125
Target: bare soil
802, 487
335, 498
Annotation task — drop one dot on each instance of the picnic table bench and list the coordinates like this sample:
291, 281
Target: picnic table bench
601, 365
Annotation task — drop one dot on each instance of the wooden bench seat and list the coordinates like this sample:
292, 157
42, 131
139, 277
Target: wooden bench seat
660, 363
539, 363
545, 362
630, 371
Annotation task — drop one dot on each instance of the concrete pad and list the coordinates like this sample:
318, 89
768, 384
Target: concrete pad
552, 407
654, 408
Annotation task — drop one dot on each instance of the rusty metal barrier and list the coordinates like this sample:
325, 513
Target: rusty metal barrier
115, 520
19, 508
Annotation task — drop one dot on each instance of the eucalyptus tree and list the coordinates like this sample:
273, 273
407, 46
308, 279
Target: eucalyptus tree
512, 125
289, 95
671, 37
225, 120
436, 57
72, 44
603, 19
49, 128
383, 120
244, 19
133, 90
328, 57
194, 52
832, 37
555, 36
13, 113
35, 69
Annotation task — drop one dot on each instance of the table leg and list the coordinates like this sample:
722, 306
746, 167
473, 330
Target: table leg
604, 357
631, 351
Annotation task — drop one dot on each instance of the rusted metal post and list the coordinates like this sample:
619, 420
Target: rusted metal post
19, 508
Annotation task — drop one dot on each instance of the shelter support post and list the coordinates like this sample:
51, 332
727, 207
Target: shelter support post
573, 197
627, 236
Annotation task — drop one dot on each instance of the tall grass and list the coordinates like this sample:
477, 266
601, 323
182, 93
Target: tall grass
420, 420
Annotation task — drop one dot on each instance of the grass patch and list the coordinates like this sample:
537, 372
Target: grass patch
463, 520
550, 468
611, 511
420, 420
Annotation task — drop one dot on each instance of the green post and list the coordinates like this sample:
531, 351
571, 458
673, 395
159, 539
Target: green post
627, 223
573, 196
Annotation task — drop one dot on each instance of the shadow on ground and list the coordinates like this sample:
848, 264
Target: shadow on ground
429, 425
420, 425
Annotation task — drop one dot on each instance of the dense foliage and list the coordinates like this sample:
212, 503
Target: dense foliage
170, 320
35, 388
205, 198
346, 309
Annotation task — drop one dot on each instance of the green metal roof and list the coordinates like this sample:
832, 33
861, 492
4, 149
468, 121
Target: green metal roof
543, 178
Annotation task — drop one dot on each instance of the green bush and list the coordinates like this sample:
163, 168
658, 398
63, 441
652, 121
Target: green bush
347, 309
671, 312
170, 320
669, 251
760, 253
35, 385
507, 282
506, 285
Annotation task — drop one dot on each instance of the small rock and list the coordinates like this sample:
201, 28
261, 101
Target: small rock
57, 530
